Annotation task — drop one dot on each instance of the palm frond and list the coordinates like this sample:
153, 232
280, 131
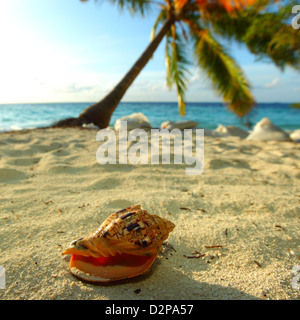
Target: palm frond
226, 76
284, 48
133, 6
269, 36
266, 33
161, 18
231, 6
227, 25
177, 66
179, 4
168, 60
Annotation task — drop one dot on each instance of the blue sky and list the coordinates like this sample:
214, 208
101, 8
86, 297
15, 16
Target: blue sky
69, 51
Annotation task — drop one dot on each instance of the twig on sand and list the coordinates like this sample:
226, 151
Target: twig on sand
211, 247
195, 256
258, 264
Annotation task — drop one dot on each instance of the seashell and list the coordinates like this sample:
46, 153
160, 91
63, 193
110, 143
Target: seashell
125, 245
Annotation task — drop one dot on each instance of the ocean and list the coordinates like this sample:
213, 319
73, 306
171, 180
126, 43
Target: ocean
209, 115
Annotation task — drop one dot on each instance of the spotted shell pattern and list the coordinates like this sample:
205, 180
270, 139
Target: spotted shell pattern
135, 226
124, 246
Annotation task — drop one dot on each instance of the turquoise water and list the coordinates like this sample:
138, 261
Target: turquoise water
209, 115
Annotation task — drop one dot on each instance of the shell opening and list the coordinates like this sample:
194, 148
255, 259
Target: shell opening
112, 268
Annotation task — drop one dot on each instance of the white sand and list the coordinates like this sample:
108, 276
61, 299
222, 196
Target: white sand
53, 191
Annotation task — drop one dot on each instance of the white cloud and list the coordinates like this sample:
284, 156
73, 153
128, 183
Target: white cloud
74, 87
273, 83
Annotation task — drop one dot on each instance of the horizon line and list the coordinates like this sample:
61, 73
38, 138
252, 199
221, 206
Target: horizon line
173, 102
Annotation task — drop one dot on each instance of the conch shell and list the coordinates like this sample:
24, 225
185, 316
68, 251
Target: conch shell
125, 245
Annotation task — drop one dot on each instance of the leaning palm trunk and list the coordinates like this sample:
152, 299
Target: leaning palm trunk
101, 112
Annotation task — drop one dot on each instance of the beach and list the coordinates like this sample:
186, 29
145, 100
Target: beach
237, 223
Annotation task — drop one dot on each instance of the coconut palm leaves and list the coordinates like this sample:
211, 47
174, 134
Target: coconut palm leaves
267, 33
177, 66
133, 6
140, 6
177, 63
191, 29
229, 5
226, 76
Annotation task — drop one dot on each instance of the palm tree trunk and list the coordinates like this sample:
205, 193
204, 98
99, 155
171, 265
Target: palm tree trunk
101, 112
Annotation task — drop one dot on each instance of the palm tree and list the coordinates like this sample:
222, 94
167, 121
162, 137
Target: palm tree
185, 22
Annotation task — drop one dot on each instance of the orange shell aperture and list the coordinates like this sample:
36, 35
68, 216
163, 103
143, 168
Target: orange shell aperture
124, 246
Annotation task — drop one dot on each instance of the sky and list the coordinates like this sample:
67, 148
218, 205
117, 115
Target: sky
69, 51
